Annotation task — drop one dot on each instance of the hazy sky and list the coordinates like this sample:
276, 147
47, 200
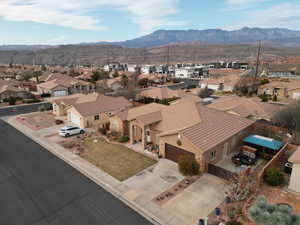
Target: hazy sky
75, 21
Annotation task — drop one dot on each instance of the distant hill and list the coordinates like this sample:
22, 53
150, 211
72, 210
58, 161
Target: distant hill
23, 47
214, 36
271, 36
190, 52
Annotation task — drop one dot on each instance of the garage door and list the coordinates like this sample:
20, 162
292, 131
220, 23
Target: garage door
173, 153
60, 93
75, 119
296, 95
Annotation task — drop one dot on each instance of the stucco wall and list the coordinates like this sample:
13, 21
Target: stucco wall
172, 140
295, 178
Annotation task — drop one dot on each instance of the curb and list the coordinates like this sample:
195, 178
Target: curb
151, 218
20, 105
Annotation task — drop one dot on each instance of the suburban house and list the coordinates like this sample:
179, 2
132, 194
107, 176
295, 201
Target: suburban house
113, 83
287, 88
221, 83
162, 93
191, 72
185, 127
11, 88
294, 184
62, 85
87, 110
246, 107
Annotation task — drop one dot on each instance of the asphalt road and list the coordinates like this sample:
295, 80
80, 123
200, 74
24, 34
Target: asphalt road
19, 109
37, 188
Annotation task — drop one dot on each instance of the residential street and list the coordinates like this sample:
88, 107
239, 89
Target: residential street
10, 111
37, 188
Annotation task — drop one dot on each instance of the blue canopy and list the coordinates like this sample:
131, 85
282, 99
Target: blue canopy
264, 142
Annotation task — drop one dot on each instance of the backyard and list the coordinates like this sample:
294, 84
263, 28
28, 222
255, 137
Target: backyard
116, 160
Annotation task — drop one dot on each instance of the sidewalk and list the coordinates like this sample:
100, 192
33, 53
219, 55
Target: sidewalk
151, 211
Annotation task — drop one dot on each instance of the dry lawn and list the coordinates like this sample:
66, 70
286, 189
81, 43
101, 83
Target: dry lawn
116, 160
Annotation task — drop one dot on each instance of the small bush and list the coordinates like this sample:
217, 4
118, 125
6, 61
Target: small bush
264, 81
12, 100
123, 139
264, 97
273, 177
114, 134
274, 98
57, 122
41, 108
188, 165
30, 100
233, 222
102, 130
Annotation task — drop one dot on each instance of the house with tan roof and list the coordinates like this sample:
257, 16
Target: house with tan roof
246, 107
185, 127
294, 184
162, 93
87, 110
11, 88
221, 83
62, 85
284, 88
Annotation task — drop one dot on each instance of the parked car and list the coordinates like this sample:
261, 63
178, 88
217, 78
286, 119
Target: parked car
70, 130
242, 159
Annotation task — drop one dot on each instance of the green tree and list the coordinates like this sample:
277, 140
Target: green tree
95, 76
188, 166
115, 74
124, 81
12, 100
263, 213
36, 75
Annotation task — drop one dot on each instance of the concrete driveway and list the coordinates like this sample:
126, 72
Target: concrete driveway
197, 201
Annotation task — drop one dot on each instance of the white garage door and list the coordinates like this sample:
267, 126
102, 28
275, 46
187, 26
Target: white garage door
296, 95
75, 119
60, 93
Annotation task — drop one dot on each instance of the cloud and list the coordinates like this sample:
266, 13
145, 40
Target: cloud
242, 4
148, 14
286, 15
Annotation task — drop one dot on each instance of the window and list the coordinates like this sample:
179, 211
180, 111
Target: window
148, 133
213, 156
97, 117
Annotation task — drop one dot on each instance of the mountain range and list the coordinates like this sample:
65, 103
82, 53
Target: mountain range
272, 36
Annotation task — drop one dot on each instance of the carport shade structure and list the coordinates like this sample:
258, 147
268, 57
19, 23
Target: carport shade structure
266, 142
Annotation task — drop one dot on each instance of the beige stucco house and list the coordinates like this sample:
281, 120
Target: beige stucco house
185, 127
87, 110
10, 88
162, 93
62, 85
294, 184
251, 108
284, 88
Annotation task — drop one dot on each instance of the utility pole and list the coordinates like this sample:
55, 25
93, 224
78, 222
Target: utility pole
257, 60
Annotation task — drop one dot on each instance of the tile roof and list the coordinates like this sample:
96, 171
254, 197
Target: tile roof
54, 80
90, 104
215, 128
10, 85
162, 93
245, 106
290, 84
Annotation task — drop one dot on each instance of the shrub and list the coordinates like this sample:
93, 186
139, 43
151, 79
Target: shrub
205, 92
274, 177
263, 213
123, 139
264, 97
41, 108
233, 222
30, 100
102, 130
57, 122
264, 81
188, 165
12, 100
274, 98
